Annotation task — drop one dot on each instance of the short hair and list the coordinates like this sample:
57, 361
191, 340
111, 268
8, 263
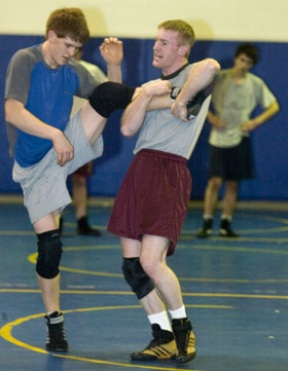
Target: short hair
248, 49
184, 30
68, 22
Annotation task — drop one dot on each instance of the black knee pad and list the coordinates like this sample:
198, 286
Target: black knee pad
49, 254
136, 277
110, 96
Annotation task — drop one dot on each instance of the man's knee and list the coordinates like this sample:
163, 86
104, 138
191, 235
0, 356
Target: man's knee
136, 277
110, 96
49, 254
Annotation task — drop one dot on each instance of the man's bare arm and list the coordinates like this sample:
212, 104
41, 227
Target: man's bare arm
152, 96
201, 75
19, 116
260, 119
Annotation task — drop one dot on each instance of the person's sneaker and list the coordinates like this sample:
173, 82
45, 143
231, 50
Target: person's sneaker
206, 229
56, 340
225, 229
162, 346
228, 232
185, 340
84, 229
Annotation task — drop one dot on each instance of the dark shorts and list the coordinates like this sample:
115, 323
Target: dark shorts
233, 163
153, 198
85, 170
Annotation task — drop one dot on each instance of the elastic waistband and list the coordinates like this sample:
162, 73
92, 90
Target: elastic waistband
164, 155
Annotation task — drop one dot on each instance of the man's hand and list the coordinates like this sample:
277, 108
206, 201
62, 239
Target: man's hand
157, 87
63, 148
248, 126
179, 110
112, 51
216, 122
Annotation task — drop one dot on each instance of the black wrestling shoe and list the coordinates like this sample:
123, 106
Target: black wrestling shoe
206, 229
84, 229
185, 340
162, 346
225, 229
56, 340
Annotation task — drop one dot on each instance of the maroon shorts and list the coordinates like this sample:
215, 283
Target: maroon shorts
153, 198
85, 170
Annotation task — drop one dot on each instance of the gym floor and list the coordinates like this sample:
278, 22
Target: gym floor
235, 291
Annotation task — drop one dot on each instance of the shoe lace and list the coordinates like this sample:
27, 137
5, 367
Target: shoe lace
56, 333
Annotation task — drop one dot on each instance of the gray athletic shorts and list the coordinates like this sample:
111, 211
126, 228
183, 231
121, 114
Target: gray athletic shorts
44, 184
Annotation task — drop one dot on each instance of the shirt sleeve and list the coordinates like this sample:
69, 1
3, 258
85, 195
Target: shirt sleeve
87, 81
18, 76
265, 96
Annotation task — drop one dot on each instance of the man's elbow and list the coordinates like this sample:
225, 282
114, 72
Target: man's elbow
212, 65
276, 107
11, 108
126, 131
8, 111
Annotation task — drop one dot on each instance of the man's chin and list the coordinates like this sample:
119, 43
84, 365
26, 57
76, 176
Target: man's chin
155, 64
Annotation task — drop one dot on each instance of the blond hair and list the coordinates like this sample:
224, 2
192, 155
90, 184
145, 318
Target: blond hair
185, 32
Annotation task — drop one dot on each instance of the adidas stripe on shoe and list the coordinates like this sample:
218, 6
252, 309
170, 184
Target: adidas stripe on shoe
162, 346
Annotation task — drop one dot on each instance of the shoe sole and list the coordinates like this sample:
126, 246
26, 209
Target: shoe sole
228, 235
147, 358
186, 359
58, 350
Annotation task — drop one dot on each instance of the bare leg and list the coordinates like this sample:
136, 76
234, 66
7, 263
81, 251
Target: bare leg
229, 203
210, 203
50, 290
80, 195
151, 303
211, 195
93, 123
153, 261
230, 197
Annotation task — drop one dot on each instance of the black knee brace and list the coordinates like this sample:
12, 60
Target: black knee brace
135, 276
49, 254
110, 96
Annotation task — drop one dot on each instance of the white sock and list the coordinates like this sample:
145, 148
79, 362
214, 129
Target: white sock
178, 313
161, 319
207, 217
227, 217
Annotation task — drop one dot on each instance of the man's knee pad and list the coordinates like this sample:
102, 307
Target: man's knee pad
49, 254
110, 96
136, 277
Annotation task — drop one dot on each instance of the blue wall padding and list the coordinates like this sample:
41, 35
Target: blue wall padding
270, 142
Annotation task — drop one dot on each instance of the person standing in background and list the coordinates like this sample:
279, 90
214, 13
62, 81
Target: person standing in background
236, 94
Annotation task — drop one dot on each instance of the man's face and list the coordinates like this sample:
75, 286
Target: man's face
166, 51
61, 50
243, 63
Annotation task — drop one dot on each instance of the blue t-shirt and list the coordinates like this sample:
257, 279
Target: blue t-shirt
47, 93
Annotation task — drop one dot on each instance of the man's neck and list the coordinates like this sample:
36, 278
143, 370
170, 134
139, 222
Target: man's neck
174, 72
46, 55
238, 75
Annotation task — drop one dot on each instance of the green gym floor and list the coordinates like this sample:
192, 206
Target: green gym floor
235, 291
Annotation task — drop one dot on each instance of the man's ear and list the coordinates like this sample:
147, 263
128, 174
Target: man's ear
51, 34
183, 50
